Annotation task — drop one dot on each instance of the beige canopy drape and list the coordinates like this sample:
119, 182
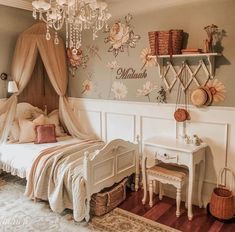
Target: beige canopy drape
29, 44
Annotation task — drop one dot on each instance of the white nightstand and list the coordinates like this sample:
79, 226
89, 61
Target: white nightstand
170, 150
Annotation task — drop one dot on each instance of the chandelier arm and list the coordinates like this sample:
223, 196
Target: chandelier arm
78, 15
61, 24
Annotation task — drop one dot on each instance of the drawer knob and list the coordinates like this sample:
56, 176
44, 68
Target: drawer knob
165, 154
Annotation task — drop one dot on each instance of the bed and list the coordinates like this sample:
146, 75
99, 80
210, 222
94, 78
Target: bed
88, 166
102, 165
68, 172
17, 158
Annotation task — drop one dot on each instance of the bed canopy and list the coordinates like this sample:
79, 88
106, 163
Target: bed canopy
30, 44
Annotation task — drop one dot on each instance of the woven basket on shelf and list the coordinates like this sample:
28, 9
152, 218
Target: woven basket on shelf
166, 42
108, 199
222, 202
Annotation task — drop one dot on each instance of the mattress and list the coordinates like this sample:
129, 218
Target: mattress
18, 158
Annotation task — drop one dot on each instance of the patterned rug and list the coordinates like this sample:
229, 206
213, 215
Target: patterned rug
120, 220
19, 214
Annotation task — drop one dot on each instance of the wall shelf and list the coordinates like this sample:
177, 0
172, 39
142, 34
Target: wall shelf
207, 67
189, 55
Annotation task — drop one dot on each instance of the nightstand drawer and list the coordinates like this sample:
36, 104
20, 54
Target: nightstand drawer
166, 155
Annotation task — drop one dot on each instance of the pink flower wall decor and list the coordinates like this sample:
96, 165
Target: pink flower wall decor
87, 87
76, 60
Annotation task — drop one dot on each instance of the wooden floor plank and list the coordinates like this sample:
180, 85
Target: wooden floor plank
157, 211
216, 227
164, 212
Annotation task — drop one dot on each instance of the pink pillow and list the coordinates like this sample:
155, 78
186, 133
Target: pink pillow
45, 134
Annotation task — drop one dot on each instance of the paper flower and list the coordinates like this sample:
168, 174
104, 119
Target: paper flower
77, 60
148, 87
113, 65
119, 34
119, 90
146, 59
93, 50
217, 90
87, 87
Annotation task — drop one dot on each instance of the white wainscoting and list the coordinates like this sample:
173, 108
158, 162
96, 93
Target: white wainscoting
118, 119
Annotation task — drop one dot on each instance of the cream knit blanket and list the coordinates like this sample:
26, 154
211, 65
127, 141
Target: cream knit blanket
56, 175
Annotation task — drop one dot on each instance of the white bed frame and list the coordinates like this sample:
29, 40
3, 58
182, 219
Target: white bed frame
108, 165
105, 167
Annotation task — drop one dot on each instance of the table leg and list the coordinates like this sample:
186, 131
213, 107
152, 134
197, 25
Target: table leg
137, 173
144, 178
200, 183
190, 191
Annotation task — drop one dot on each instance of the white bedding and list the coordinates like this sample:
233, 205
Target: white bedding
18, 158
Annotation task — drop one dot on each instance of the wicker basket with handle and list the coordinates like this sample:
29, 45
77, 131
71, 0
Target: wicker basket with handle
222, 202
108, 199
166, 42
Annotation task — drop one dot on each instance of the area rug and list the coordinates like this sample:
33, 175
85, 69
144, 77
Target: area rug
120, 220
19, 214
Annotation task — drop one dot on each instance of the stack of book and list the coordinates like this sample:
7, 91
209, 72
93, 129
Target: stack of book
191, 51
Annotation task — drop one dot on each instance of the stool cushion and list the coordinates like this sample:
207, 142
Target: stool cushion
168, 171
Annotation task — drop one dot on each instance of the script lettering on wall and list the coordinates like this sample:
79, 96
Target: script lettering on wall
130, 73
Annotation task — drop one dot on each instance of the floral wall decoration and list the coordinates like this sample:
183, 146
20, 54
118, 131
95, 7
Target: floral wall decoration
119, 90
121, 36
123, 70
147, 89
147, 60
93, 51
87, 87
113, 65
76, 60
217, 90
162, 95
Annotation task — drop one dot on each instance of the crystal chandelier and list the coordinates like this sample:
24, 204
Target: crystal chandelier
76, 15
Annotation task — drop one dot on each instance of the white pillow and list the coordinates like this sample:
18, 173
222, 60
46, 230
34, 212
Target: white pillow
15, 131
53, 118
2, 121
27, 111
27, 129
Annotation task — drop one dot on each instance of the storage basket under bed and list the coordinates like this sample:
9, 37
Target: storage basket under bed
108, 199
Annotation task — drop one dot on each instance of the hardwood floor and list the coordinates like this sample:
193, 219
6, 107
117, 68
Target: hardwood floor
164, 212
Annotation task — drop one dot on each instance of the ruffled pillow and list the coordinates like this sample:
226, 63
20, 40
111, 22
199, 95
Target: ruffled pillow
53, 118
2, 121
15, 132
27, 129
27, 111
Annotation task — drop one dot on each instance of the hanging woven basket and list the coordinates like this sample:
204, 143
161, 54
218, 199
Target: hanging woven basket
222, 201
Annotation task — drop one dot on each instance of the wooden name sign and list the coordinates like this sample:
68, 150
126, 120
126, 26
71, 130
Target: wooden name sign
130, 73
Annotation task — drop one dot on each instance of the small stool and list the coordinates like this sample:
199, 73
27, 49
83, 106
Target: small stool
167, 174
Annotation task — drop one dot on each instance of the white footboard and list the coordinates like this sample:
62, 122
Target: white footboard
102, 168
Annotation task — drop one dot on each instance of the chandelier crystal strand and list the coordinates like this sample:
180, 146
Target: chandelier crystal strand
77, 15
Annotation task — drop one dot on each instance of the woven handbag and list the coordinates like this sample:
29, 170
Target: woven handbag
222, 202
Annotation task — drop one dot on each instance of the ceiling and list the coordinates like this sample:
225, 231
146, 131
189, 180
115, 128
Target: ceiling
117, 7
